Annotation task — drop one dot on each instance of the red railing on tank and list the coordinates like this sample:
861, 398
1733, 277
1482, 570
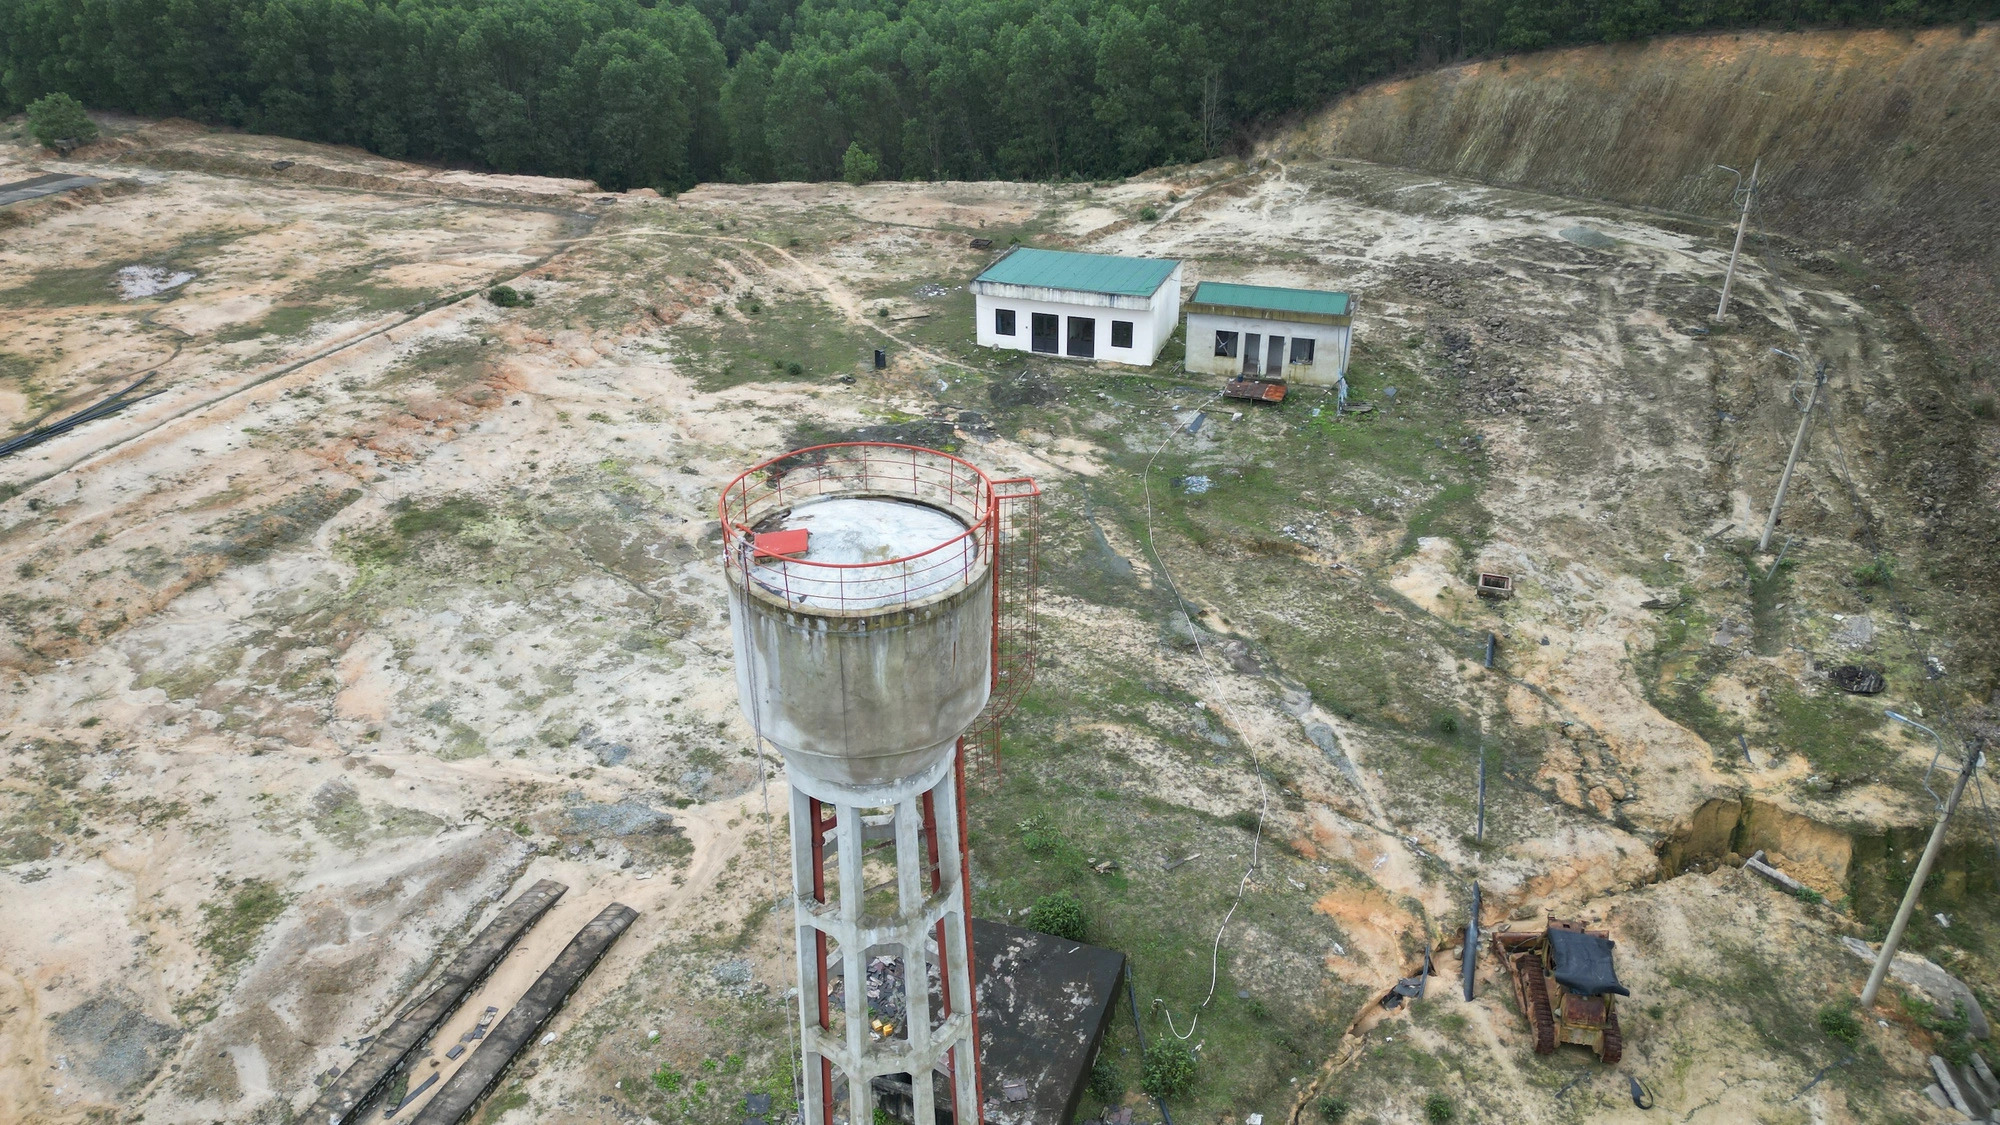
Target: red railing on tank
859, 469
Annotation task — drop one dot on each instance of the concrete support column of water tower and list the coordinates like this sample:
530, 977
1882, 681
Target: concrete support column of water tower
921, 924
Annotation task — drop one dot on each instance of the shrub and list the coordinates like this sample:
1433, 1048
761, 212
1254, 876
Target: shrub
508, 297
1057, 914
1438, 1109
59, 122
1149, 215
795, 369
1246, 820
1333, 1109
1104, 1083
1840, 1022
668, 1080
1170, 1069
858, 165
1983, 407
1038, 836
1877, 573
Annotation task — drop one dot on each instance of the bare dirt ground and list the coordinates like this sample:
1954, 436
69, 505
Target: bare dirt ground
395, 600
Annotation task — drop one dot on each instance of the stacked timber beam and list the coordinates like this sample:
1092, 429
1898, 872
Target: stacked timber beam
383, 1059
483, 1071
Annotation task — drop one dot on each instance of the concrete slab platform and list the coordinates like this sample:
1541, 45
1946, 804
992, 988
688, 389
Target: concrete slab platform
1044, 1006
38, 186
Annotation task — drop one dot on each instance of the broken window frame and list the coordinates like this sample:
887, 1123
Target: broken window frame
1225, 344
1302, 350
1121, 333
1003, 322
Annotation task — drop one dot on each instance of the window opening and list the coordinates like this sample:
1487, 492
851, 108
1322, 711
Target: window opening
1225, 344
1003, 322
1121, 333
1302, 349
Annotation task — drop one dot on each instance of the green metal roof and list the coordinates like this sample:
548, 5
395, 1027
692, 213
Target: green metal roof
1090, 273
1270, 298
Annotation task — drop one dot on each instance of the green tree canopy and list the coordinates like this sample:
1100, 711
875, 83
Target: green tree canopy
669, 92
858, 165
58, 120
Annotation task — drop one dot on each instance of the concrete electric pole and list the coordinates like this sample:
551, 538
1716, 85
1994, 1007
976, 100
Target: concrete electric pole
1895, 938
1798, 440
1742, 223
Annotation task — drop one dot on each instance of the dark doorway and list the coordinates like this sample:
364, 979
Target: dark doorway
1274, 363
1252, 349
1042, 332
1083, 336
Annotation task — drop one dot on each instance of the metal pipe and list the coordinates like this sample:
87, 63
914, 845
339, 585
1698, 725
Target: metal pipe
1479, 826
1139, 1031
1470, 957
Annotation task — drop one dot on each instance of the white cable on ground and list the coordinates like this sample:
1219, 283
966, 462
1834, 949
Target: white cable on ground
1263, 794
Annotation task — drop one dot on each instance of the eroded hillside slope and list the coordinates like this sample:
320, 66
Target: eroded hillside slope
1879, 150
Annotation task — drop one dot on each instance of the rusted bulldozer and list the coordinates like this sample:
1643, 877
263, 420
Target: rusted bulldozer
1565, 982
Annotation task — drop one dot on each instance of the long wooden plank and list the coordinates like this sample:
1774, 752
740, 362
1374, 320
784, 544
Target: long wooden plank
489, 1063
340, 1102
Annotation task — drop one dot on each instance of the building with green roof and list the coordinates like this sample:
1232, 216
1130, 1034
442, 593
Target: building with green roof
1084, 306
1297, 335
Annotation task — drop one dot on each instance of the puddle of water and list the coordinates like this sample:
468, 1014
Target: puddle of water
135, 282
1590, 239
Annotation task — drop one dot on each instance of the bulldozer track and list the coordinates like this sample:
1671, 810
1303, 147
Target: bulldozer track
1534, 993
1614, 1040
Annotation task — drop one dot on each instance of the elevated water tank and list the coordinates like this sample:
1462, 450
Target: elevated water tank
864, 647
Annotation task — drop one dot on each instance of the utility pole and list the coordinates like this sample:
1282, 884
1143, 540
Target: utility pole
1923, 871
1742, 223
1798, 440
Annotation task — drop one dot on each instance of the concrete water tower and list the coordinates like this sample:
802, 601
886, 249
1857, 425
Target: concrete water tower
869, 597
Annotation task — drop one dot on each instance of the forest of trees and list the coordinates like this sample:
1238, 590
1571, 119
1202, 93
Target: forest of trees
670, 93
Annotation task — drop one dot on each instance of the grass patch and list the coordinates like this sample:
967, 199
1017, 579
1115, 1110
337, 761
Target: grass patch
1832, 733
59, 288
788, 338
281, 321
231, 928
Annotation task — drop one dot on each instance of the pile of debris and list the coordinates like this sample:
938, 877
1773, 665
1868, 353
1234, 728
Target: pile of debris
888, 1003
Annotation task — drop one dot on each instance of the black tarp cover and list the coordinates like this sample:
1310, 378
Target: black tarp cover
1583, 963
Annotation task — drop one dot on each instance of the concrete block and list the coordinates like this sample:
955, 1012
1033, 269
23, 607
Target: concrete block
1948, 1082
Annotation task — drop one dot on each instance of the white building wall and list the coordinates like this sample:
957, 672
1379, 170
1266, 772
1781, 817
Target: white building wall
1331, 345
1153, 318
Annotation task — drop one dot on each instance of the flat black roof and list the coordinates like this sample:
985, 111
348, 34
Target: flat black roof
1044, 1005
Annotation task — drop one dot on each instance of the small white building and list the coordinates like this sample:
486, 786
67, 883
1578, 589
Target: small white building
1297, 335
1085, 306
